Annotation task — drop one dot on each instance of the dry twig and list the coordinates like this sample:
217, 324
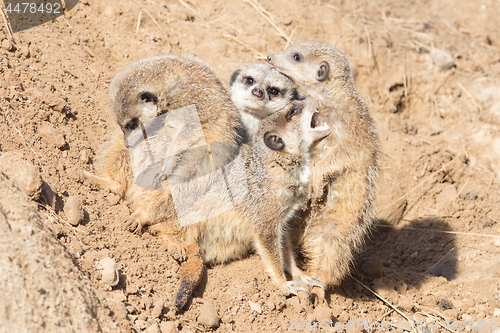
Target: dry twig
6, 22
388, 303
256, 5
246, 45
440, 231
151, 16
138, 22
188, 6
470, 96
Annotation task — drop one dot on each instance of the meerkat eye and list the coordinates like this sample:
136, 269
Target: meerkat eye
248, 80
273, 141
295, 110
132, 125
297, 57
273, 91
148, 97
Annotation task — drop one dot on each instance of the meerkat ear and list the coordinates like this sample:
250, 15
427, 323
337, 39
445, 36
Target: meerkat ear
147, 97
323, 70
273, 141
234, 76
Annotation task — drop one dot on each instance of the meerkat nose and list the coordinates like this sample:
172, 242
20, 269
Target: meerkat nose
269, 58
257, 92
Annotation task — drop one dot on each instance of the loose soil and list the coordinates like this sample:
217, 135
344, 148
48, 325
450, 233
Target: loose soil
432, 255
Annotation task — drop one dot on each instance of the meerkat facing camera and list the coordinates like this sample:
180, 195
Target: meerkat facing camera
344, 165
258, 90
278, 179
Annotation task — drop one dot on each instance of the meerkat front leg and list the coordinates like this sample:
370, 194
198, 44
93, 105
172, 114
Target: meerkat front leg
269, 245
299, 276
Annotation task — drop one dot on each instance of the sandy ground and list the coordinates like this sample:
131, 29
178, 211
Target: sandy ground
432, 256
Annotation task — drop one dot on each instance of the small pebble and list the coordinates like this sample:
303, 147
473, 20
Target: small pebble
168, 327
153, 328
208, 316
7, 45
25, 51
145, 302
141, 324
26, 175
118, 308
322, 312
158, 308
109, 271
113, 199
442, 59
471, 196
255, 307
84, 156
73, 210
52, 135
496, 312
295, 303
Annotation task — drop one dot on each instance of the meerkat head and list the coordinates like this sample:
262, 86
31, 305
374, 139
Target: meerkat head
133, 98
260, 89
312, 63
293, 129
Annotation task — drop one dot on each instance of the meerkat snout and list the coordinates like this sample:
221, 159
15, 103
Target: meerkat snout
257, 92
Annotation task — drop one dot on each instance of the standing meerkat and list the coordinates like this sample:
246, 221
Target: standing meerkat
258, 90
278, 180
344, 165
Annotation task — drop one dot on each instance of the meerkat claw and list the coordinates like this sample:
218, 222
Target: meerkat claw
133, 226
314, 282
293, 287
178, 252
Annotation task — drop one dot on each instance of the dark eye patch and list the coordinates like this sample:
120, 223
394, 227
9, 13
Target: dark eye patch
295, 110
148, 97
273, 141
132, 125
297, 57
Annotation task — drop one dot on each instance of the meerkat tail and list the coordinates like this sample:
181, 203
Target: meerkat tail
190, 275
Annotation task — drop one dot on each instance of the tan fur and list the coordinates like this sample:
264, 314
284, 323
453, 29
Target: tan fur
344, 165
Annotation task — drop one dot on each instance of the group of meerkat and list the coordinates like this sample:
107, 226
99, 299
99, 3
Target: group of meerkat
310, 152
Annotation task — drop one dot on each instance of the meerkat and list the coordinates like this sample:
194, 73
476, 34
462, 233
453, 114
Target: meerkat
138, 95
258, 90
344, 165
278, 178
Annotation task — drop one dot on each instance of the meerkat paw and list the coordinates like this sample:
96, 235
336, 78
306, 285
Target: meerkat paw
293, 287
134, 226
177, 251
